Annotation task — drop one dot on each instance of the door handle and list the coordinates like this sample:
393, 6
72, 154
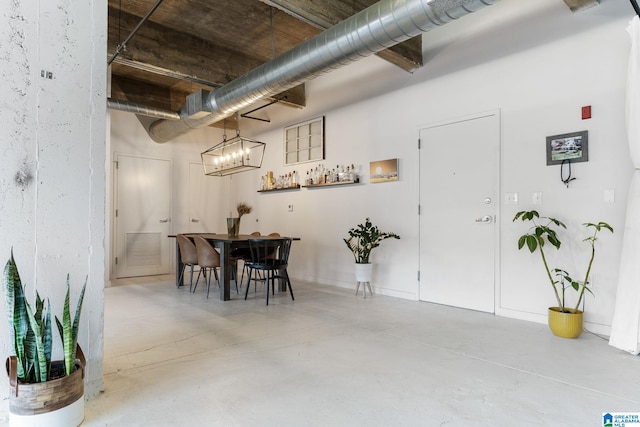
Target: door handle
486, 219
164, 220
195, 220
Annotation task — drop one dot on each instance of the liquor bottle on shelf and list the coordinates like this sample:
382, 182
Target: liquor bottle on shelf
270, 181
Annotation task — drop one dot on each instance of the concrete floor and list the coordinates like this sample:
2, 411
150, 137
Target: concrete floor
333, 359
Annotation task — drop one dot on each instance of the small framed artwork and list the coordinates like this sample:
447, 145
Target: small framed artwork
383, 171
568, 146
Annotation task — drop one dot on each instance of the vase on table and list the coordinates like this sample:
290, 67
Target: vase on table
233, 226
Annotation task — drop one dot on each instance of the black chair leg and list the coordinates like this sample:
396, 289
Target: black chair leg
246, 292
286, 275
208, 282
198, 279
266, 285
182, 275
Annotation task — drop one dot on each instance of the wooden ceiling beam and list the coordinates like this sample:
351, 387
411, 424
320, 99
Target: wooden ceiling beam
179, 63
578, 5
163, 47
406, 55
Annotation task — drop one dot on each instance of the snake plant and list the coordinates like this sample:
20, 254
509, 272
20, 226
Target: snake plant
68, 331
31, 330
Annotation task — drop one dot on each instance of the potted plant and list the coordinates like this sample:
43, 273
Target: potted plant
43, 393
563, 321
362, 239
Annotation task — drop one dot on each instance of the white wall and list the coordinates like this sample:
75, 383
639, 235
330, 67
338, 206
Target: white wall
537, 62
52, 144
539, 71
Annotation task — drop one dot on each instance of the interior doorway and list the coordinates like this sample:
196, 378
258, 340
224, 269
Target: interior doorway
208, 197
459, 188
142, 210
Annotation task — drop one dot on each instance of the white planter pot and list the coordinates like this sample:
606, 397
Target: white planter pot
363, 275
363, 272
68, 416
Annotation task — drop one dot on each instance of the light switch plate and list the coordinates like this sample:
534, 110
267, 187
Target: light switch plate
511, 198
537, 198
609, 196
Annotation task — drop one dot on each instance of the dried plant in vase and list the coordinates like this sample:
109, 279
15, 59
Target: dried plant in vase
243, 209
233, 224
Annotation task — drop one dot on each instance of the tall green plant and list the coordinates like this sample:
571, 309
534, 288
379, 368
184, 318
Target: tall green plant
68, 331
364, 238
542, 231
566, 277
31, 331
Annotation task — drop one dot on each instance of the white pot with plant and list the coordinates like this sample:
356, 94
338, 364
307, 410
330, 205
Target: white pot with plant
563, 321
43, 392
362, 239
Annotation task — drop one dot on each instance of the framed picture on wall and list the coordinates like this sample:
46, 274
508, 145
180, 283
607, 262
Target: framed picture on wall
304, 142
383, 171
568, 146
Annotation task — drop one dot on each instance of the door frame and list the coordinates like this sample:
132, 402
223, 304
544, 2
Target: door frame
498, 191
114, 205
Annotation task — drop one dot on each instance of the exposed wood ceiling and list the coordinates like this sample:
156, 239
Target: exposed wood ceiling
186, 45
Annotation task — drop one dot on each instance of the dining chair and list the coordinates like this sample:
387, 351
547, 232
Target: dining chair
244, 255
208, 259
188, 256
271, 257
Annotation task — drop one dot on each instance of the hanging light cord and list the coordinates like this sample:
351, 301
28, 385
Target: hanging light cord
568, 179
634, 3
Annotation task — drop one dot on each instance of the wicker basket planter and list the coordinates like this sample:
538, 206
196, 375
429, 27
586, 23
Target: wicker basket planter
55, 403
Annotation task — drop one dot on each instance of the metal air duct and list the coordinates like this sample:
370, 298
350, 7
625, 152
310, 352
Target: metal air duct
376, 28
132, 107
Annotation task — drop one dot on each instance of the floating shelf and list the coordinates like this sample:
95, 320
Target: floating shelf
297, 187
331, 184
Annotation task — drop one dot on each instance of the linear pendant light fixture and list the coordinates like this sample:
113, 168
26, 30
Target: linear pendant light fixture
235, 155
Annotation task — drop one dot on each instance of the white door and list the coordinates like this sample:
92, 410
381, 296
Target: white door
459, 176
208, 201
143, 216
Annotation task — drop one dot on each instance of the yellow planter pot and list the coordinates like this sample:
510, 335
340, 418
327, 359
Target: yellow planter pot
565, 325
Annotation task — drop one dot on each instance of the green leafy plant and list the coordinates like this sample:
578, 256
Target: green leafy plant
543, 231
31, 331
363, 238
69, 331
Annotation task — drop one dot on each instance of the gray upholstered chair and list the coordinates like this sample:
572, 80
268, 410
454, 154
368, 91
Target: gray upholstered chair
208, 260
188, 256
